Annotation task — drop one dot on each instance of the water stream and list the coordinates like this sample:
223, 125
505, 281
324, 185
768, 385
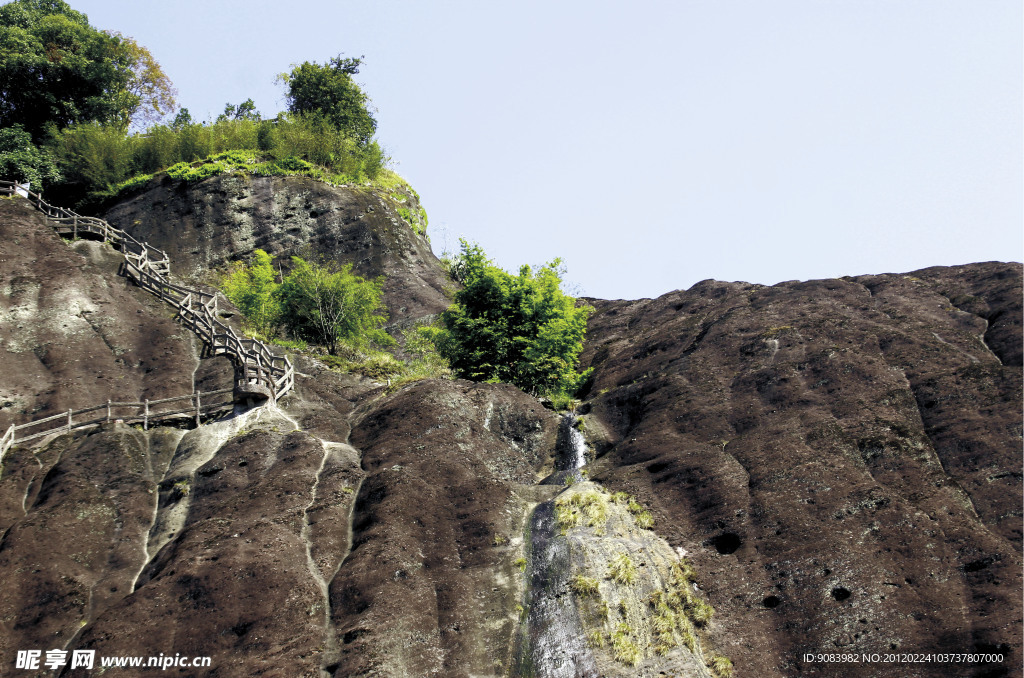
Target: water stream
551, 641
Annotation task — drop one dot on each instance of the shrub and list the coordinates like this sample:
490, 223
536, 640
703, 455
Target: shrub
21, 160
721, 666
323, 303
254, 291
626, 651
328, 304
518, 329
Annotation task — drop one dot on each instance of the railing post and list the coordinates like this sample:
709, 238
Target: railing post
108, 409
197, 408
69, 421
145, 416
74, 227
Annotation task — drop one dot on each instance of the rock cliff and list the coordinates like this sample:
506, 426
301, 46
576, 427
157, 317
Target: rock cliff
206, 226
839, 460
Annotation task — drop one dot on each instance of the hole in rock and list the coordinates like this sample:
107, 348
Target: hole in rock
840, 593
726, 543
771, 602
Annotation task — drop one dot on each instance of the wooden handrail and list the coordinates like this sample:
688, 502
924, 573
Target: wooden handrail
148, 267
11, 436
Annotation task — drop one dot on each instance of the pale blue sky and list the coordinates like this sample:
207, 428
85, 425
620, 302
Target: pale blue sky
655, 144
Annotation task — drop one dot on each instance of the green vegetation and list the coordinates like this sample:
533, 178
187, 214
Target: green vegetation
56, 71
253, 289
589, 508
321, 303
621, 569
519, 329
21, 160
329, 91
102, 162
584, 586
75, 91
520, 563
595, 638
624, 647
327, 305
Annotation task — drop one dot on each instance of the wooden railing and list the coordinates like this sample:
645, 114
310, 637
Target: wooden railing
258, 372
145, 412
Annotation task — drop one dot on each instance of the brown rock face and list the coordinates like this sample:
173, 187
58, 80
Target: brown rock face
73, 333
204, 227
841, 458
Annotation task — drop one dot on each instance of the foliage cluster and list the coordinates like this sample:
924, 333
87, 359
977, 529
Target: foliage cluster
317, 302
589, 507
21, 160
328, 305
678, 612
56, 70
520, 329
76, 90
330, 92
584, 586
103, 161
621, 568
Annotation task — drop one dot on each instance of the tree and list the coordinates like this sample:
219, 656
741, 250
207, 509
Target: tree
57, 70
182, 120
243, 111
518, 329
254, 290
329, 91
329, 305
148, 84
21, 160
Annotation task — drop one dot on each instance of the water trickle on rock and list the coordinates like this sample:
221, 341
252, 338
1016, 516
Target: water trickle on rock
552, 642
576, 443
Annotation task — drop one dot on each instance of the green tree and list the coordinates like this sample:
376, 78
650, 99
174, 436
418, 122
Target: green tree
328, 90
254, 290
21, 160
518, 329
243, 111
330, 305
182, 120
57, 70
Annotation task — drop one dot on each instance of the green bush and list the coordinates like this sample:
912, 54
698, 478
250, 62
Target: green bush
328, 304
254, 290
321, 303
21, 160
584, 586
518, 329
622, 569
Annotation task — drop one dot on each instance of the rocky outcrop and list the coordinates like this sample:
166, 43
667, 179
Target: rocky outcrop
839, 460
205, 226
840, 457
74, 334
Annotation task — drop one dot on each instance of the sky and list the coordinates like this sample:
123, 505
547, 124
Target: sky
652, 145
